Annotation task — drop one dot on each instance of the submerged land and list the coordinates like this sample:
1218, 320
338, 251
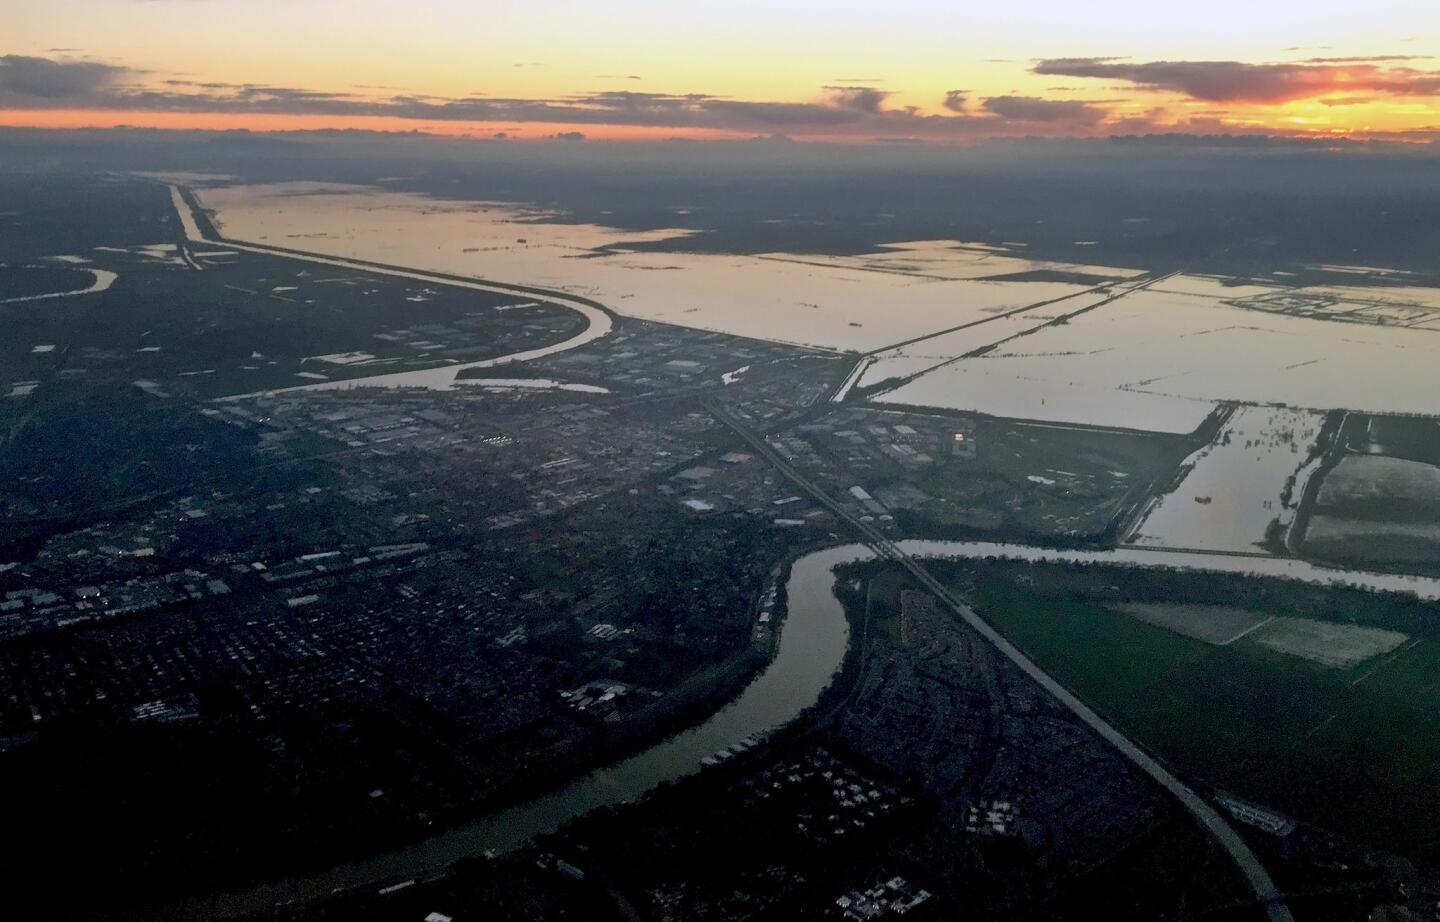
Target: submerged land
350, 527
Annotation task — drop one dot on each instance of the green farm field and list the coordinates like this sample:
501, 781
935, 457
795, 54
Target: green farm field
1355, 750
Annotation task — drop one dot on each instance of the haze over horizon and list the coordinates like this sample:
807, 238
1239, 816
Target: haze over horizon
911, 71
925, 461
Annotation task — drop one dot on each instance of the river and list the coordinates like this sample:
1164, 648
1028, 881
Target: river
598, 323
811, 650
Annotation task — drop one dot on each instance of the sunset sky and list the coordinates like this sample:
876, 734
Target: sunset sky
945, 72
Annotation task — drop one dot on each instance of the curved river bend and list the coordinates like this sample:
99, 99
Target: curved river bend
813, 639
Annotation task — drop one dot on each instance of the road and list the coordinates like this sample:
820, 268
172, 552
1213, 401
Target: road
1266, 893
1264, 888
1113, 293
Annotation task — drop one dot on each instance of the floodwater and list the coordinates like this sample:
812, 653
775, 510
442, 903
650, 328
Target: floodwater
1161, 359
187, 217
927, 354
949, 259
444, 377
1232, 494
1157, 360
848, 303
101, 280
1026, 390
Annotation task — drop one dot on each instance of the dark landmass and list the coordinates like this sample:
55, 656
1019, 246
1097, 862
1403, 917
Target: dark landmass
245, 638
1228, 205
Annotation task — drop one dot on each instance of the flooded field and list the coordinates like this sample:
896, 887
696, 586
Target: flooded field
1159, 359
94, 281
1406, 307
849, 303
1026, 391
913, 359
945, 259
1242, 488
959, 326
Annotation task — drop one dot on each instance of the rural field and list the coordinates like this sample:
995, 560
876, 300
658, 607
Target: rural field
1325, 707
245, 323
1378, 504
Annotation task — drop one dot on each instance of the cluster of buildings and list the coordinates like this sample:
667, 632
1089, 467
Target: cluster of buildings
991, 817
831, 799
606, 700
895, 896
36, 610
656, 359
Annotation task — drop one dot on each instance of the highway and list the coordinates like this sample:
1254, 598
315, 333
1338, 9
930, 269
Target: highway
1266, 893
1264, 889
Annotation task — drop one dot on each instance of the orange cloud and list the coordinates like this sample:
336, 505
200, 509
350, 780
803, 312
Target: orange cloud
1235, 81
1354, 97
